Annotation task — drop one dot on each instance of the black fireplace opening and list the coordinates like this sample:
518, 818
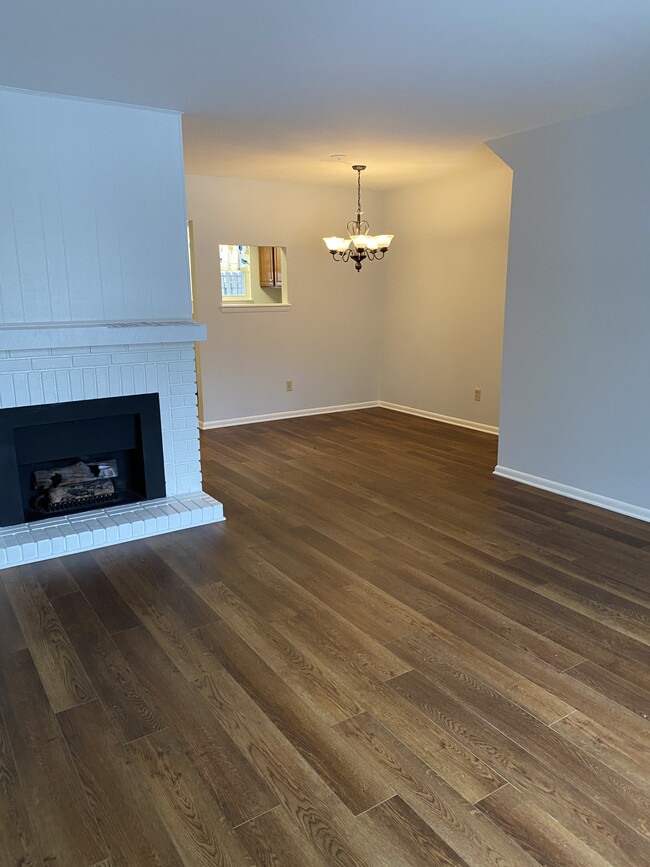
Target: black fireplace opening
60, 459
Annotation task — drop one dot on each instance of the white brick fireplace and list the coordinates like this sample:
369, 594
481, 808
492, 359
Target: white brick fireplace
95, 303
61, 363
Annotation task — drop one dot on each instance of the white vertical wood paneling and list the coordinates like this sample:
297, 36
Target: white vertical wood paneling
92, 212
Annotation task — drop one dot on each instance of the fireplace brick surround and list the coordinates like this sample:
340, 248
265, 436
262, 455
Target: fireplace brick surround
58, 374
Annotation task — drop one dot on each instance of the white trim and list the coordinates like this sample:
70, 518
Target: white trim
618, 506
296, 413
445, 419
236, 307
347, 407
64, 335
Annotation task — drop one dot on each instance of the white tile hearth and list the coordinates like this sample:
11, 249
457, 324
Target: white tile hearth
56, 537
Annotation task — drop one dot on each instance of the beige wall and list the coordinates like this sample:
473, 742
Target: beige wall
421, 329
444, 292
326, 342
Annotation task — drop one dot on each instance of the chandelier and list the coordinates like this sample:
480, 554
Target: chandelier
360, 245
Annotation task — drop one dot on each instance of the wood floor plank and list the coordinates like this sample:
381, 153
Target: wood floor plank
127, 701
621, 614
61, 673
65, 828
295, 668
559, 788
600, 518
505, 627
538, 833
609, 746
197, 554
242, 794
600, 643
474, 582
406, 837
620, 563
574, 576
314, 809
454, 647
194, 821
577, 692
154, 579
106, 602
448, 814
324, 628
614, 687
169, 627
265, 588
273, 839
11, 635
306, 566
18, 844
406, 584
539, 740
360, 565
54, 578
461, 768
601, 694
119, 797
520, 603
205, 560
339, 522
325, 750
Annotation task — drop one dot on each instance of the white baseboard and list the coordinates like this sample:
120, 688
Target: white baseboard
347, 407
574, 493
276, 416
446, 419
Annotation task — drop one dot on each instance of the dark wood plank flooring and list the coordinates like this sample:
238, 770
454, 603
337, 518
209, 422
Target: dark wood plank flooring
385, 657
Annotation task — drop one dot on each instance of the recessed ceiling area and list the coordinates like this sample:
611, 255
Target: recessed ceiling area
270, 90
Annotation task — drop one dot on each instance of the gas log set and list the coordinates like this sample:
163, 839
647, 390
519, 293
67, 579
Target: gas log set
76, 486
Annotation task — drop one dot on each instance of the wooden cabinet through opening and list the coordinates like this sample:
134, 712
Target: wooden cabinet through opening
270, 267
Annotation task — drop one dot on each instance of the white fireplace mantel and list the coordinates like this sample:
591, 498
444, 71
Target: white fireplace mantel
62, 335
60, 362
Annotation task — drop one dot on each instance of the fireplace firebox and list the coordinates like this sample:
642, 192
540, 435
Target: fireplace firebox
71, 457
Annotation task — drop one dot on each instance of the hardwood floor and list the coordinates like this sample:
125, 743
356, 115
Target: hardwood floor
385, 657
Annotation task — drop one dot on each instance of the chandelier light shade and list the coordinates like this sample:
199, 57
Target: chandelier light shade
359, 245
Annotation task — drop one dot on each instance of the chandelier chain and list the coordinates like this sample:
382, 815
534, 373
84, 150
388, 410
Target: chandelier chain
359, 195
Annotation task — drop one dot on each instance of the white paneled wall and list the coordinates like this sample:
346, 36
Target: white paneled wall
92, 212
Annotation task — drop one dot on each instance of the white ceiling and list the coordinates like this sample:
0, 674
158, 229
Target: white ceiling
271, 89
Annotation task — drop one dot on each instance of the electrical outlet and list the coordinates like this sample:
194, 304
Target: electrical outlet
477, 394
288, 386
